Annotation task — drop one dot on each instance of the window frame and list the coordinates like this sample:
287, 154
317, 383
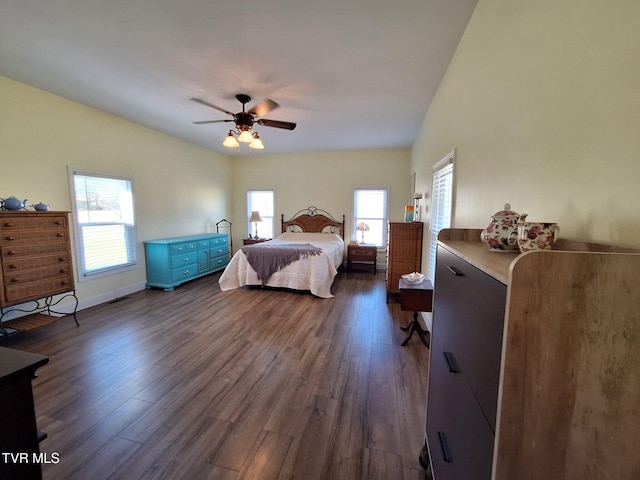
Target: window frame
441, 205
250, 225
384, 218
131, 243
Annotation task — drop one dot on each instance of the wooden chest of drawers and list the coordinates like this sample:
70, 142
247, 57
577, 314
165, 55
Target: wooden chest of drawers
465, 369
404, 252
35, 254
534, 362
172, 261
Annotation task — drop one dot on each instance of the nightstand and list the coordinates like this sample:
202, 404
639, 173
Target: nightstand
358, 254
251, 241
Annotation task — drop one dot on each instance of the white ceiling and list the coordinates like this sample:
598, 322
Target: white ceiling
351, 73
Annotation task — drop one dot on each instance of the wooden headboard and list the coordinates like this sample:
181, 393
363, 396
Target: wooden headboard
313, 219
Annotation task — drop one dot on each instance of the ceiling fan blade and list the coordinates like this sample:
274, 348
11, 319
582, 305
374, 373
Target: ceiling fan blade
276, 123
204, 102
211, 121
263, 108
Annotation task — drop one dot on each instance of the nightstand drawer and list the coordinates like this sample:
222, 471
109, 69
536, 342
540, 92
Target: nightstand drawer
362, 254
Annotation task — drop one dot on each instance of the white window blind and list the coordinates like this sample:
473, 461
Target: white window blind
105, 223
262, 201
370, 207
441, 203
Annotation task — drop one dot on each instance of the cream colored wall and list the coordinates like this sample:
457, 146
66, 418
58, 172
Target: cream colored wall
541, 103
179, 188
325, 180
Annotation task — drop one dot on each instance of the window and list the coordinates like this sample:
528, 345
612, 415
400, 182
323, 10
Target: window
105, 224
370, 207
261, 201
441, 202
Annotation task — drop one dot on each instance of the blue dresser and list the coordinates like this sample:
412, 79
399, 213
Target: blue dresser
172, 261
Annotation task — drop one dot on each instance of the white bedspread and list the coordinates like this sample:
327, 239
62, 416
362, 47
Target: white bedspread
314, 273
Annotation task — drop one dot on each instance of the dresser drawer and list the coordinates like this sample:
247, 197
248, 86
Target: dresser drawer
458, 434
35, 222
183, 259
469, 308
26, 291
8, 254
222, 241
219, 262
22, 276
183, 247
26, 237
218, 251
183, 273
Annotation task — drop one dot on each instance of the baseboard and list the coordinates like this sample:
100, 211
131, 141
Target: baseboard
110, 296
66, 306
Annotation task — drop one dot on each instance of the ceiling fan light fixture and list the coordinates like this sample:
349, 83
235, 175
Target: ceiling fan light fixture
245, 136
230, 141
256, 143
245, 120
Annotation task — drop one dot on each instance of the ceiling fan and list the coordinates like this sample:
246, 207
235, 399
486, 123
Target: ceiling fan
245, 120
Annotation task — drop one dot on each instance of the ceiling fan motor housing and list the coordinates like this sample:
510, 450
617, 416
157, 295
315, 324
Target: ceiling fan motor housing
244, 121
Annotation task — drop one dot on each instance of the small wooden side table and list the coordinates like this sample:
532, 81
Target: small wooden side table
416, 298
251, 241
358, 254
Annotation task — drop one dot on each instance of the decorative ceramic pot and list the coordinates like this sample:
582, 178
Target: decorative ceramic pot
41, 207
501, 235
537, 235
12, 203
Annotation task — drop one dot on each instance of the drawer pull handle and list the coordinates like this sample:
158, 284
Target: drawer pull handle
64, 283
63, 270
455, 271
11, 252
8, 224
60, 235
444, 446
185, 259
62, 259
452, 364
11, 238
13, 266
15, 280
58, 222
186, 272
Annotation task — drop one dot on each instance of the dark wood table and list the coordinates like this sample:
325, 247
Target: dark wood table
416, 298
19, 437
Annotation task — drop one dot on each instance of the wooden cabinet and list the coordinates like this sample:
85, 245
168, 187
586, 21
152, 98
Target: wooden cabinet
535, 366
19, 436
404, 252
172, 261
363, 255
35, 256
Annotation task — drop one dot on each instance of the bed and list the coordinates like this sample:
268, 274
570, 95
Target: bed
304, 257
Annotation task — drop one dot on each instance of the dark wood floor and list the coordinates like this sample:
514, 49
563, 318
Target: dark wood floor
248, 384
